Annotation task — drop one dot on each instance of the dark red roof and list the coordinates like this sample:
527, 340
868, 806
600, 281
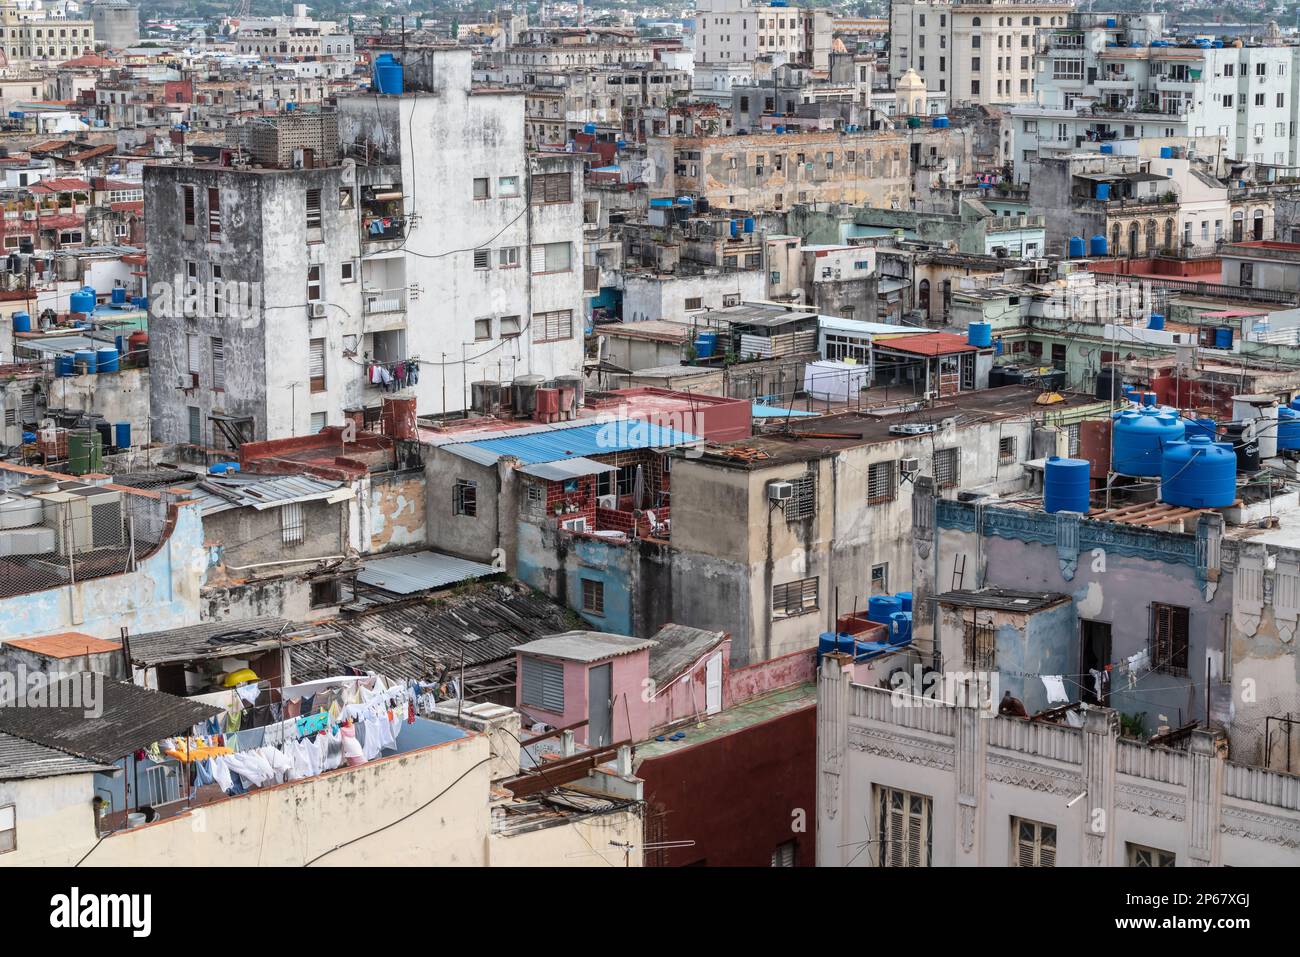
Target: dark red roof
926, 343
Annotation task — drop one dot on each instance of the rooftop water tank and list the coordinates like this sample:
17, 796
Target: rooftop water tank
906, 598
1166, 152
1223, 337
1066, 485
22, 322
106, 359
749, 224
82, 301
1140, 438
880, 607
1157, 321
1240, 436
119, 296
1077, 247
1107, 149
1097, 245
979, 334
1288, 429
83, 361
388, 75
1198, 474
900, 627
1102, 192
941, 122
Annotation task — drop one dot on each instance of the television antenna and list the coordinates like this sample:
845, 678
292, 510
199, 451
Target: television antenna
627, 848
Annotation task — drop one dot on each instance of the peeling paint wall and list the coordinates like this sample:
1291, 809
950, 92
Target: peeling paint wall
397, 510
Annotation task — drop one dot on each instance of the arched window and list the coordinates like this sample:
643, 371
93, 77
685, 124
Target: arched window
1132, 239
1151, 237
1238, 225
975, 22
1169, 234
923, 297
1114, 240
1257, 227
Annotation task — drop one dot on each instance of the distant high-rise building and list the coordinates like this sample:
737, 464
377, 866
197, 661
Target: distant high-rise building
117, 23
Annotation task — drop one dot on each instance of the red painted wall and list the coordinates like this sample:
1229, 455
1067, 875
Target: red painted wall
734, 796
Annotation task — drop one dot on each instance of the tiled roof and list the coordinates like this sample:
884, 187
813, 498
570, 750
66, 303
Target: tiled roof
67, 644
927, 343
21, 759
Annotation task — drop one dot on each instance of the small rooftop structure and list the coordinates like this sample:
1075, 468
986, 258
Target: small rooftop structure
420, 571
67, 644
1002, 599
585, 646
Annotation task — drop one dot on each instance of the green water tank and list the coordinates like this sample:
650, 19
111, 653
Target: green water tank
85, 452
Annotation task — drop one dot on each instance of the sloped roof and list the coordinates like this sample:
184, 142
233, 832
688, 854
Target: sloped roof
20, 759
585, 646
927, 343
67, 644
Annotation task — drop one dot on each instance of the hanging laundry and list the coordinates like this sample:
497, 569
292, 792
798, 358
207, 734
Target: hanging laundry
1055, 689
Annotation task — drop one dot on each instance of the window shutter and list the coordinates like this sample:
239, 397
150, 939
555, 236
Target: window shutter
218, 365
317, 365
192, 352
538, 258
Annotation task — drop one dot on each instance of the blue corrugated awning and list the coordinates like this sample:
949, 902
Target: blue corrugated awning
601, 438
759, 411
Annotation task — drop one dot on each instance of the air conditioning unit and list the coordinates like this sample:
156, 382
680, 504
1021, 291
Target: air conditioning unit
913, 428
316, 310
29, 215
909, 466
780, 491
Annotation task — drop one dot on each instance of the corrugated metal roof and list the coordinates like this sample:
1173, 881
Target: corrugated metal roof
218, 639
600, 438
129, 718
585, 646
217, 494
418, 641
420, 571
567, 469
679, 646
20, 759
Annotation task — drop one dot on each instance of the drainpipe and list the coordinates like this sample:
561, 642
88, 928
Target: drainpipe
291, 561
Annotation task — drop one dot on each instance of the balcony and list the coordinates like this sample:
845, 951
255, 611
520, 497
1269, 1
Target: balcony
384, 309
1115, 81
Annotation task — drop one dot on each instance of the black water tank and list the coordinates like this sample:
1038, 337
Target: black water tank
997, 377
1108, 385
1247, 450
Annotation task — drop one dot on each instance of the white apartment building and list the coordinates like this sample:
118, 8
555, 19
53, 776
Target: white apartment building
471, 250
736, 31
976, 52
1113, 79
32, 35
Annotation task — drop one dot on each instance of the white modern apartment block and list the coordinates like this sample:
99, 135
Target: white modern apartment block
736, 31
976, 52
1112, 78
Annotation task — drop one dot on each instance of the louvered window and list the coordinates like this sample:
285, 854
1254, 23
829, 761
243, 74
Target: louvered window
802, 502
214, 214
1035, 843
1169, 638
292, 528
542, 684
904, 829
551, 257
794, 598
188, 192
316, 365
553, 326
313, 209
552, 188
218, 365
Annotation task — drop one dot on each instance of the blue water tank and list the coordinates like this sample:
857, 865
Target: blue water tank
1206, 427
1066, 485
22, 322
825, 641
1157, 321
589, 129
388, 75
941, 122
1288, 428
979, 334
221, 468
64, 366
83, 361
1107, 149
704, 347
1077, 247
735, 228
1102, 192
900, 627
82, 301
1111, 23
1198, 473
880, 607
1097, 245
1217, 44
1166, 152
749, 224
1149, 400
106, 359
780, 129
119, 295
1223, 337
906, 598
1140, 438
122, 435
